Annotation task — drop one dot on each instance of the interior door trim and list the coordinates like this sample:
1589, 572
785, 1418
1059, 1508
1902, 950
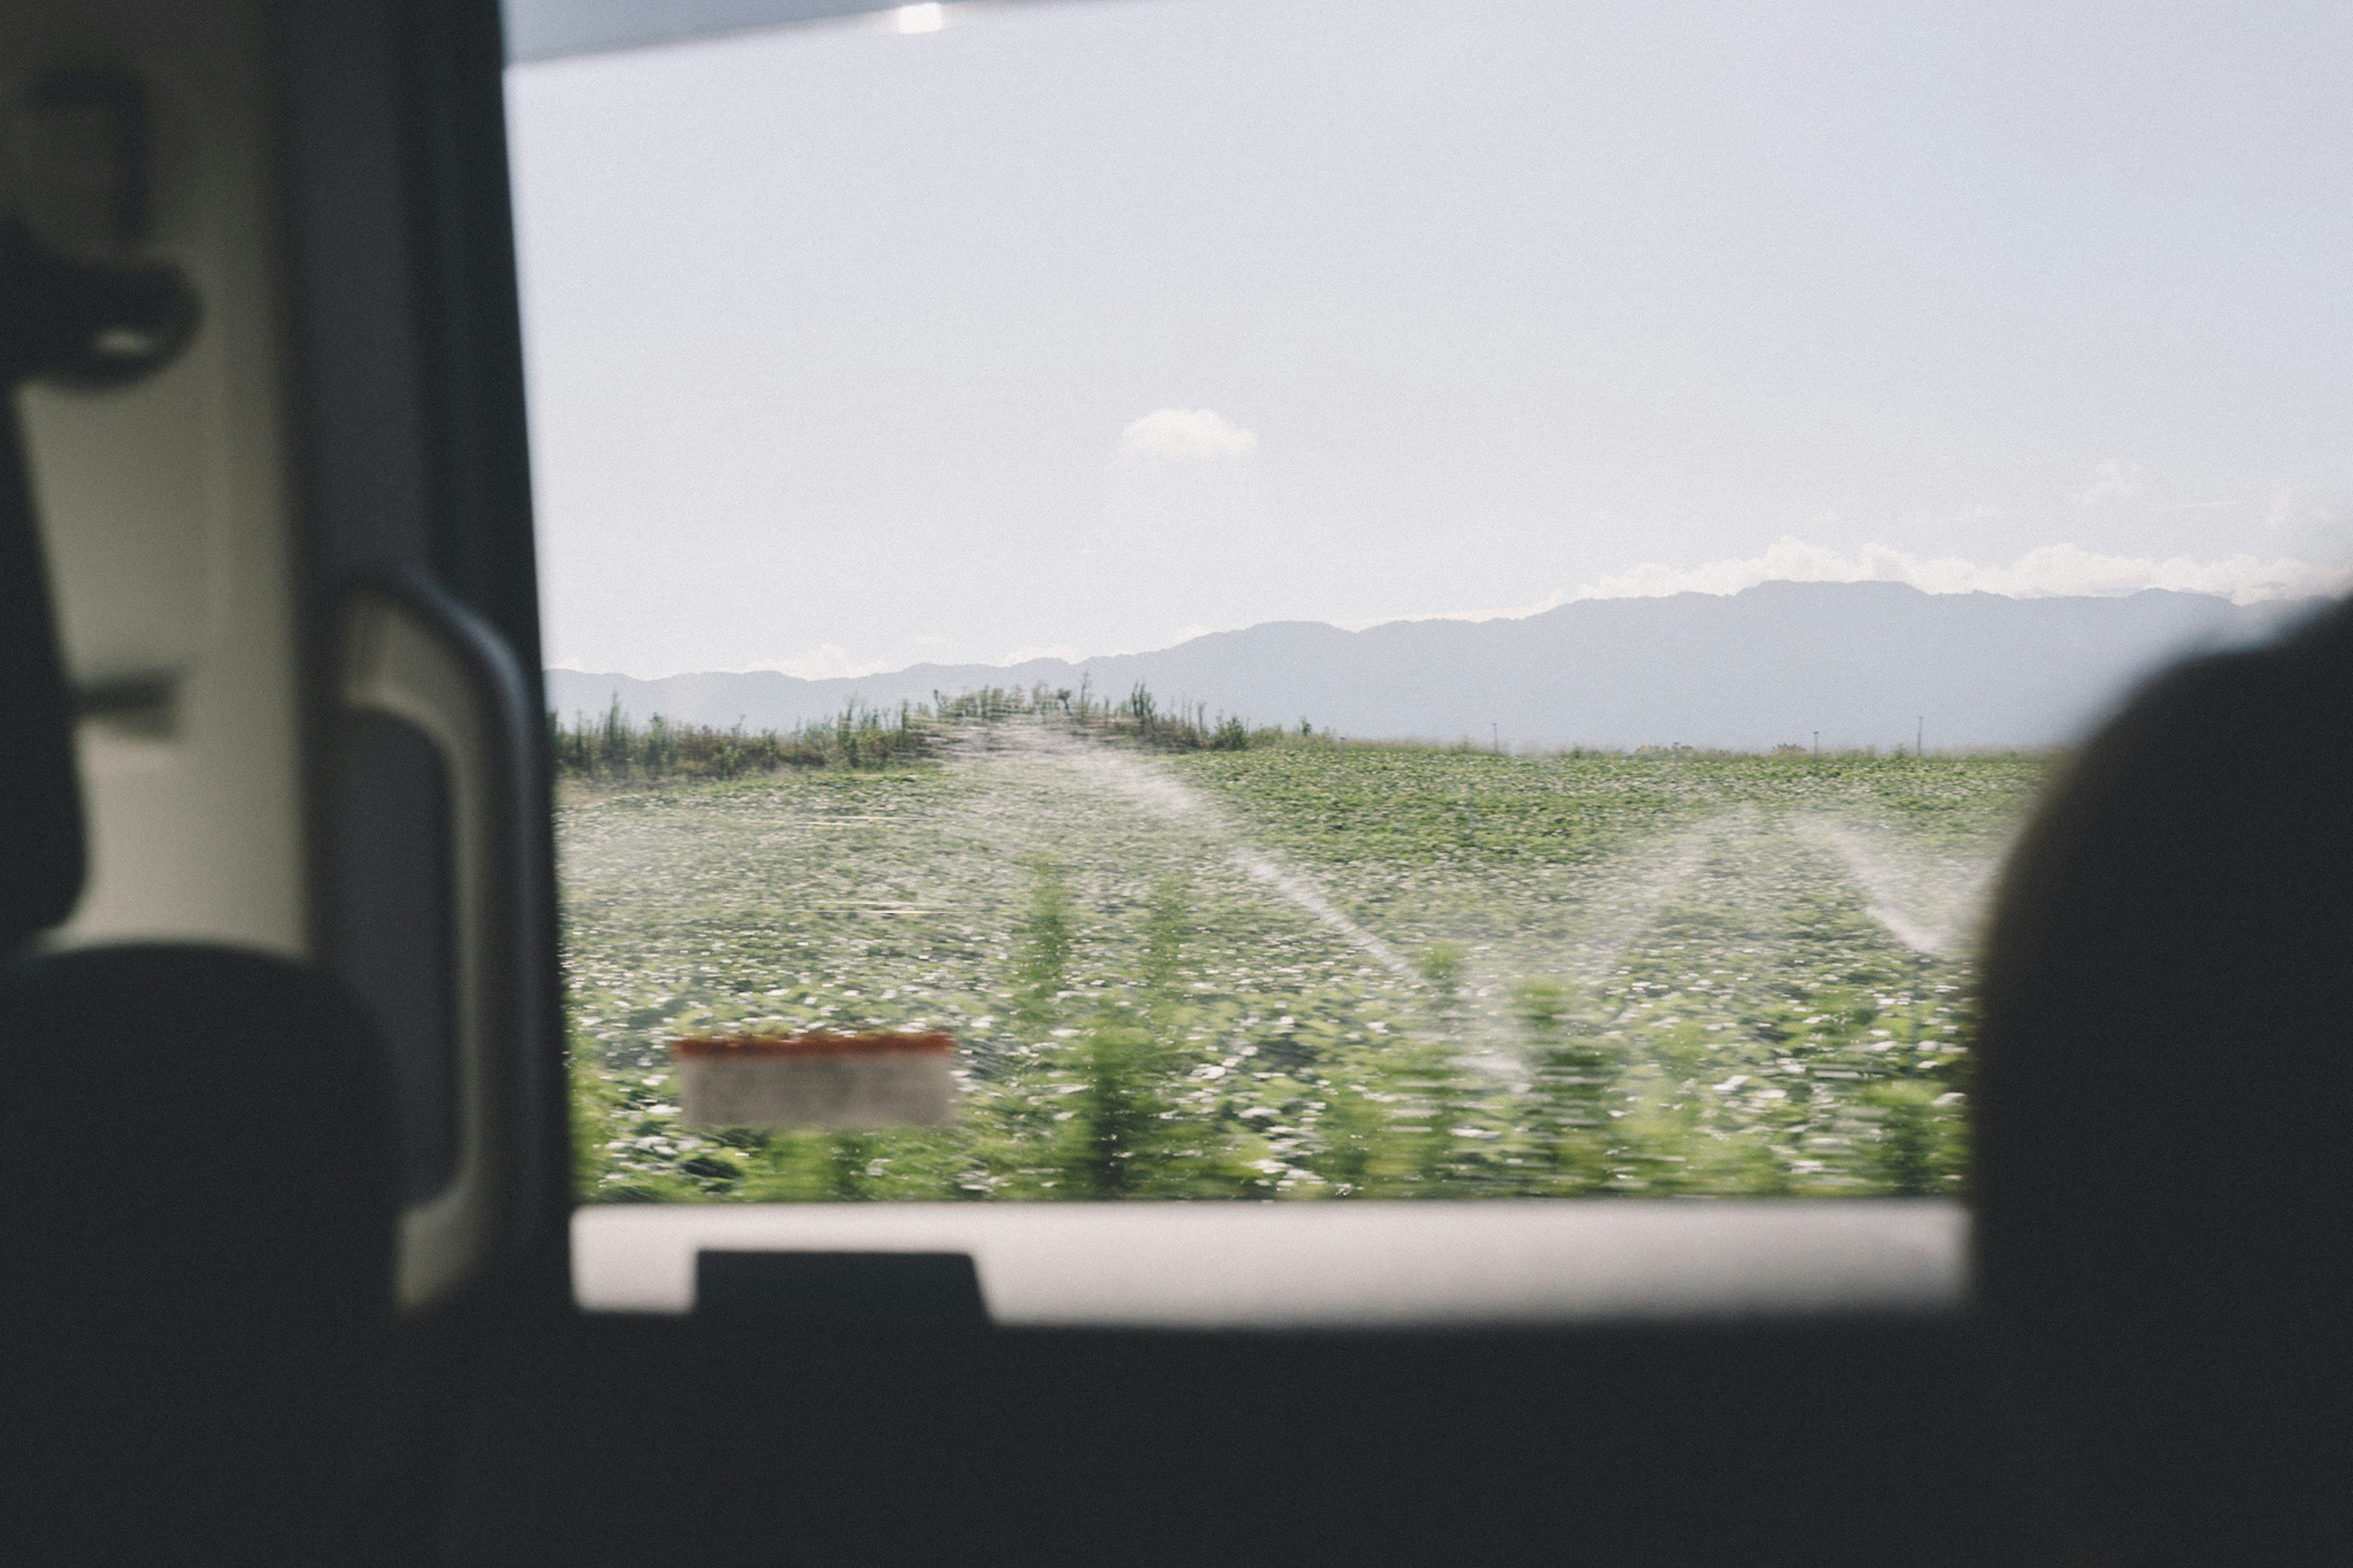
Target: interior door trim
411, 652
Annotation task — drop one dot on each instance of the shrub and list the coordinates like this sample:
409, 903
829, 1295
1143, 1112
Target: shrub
613, 747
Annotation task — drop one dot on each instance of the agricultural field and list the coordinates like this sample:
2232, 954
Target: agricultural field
1310, 970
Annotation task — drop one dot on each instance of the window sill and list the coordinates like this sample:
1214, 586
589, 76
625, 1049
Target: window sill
1337, 1264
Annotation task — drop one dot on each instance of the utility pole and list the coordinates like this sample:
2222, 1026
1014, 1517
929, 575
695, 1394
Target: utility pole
1497, 731
1919, 735
1817, 743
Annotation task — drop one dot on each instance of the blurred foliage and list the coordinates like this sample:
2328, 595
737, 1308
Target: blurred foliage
1675, 974
614, 748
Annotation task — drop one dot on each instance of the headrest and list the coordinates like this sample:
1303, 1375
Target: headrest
2160, 1173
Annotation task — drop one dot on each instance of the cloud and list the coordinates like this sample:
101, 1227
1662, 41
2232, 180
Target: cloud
1186, 434
827, 661
2111, 482
2054, 570
2049, 572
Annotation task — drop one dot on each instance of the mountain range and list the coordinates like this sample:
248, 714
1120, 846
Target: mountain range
1854, 664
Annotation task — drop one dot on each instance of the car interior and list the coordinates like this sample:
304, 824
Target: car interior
290, 1271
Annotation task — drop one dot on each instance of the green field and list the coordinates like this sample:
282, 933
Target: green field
1302, 970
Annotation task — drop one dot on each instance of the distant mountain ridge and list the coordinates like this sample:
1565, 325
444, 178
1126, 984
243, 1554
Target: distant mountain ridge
1860, 663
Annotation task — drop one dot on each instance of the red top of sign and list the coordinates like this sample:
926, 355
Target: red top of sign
746, 1047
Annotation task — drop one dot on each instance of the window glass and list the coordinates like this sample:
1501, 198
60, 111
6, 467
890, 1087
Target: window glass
1376, 599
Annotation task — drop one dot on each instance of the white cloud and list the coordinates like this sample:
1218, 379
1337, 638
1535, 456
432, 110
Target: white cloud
1185, 433
827, 661
2052, 571
2111, 482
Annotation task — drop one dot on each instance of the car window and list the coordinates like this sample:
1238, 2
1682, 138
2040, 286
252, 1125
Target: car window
1189, 599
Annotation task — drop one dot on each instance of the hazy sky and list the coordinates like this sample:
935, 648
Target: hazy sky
1085, 327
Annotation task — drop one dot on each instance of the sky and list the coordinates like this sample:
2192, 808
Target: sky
1083, 328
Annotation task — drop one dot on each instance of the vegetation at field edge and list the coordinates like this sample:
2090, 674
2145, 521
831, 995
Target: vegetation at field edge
616, 747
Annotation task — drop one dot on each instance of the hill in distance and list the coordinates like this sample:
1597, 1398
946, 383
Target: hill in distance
1859, 663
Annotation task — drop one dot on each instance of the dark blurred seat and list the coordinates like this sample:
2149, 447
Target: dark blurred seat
197, 1183
198, 1252
2164, 1153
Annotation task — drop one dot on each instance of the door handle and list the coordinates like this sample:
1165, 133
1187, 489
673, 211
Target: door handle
411, 653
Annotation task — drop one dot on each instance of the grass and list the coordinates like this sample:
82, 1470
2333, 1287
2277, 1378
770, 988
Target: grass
1311, 971
613, 748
